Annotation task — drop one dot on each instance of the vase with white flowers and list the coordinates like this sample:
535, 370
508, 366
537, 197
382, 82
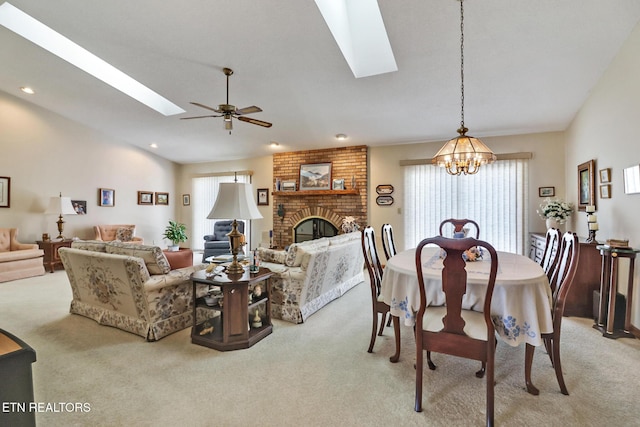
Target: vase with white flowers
555, 212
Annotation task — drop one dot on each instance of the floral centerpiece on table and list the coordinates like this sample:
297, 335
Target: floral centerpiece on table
555, 209
349, 225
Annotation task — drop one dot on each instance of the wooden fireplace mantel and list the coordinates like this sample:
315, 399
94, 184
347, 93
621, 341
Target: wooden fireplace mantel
300, 193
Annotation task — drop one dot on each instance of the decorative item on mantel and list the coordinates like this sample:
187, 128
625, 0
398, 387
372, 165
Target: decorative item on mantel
555, 212
592, 223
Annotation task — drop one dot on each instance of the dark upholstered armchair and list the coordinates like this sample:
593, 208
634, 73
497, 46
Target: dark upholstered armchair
218, 242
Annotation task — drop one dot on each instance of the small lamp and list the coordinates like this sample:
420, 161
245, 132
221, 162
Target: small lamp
235, 200
60, 206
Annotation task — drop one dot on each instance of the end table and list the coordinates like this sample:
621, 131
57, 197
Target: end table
51, 256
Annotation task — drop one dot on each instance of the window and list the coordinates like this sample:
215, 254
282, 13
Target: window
496, 198
203, 196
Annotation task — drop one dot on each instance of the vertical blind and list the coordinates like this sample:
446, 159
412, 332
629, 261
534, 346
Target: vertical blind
204, 192
496, 198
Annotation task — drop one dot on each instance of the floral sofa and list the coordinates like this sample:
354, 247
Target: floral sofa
130, 287
311, 274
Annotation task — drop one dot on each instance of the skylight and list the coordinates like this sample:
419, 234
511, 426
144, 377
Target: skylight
357, 27
36, 32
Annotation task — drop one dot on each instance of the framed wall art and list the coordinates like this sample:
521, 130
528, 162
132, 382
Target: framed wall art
384, 200
338, 184
605, 175
384, 189
162, 198
80, 206
107, 197
5, 192
315, 176
586, 184
263, 197
546, 191
605, 191
145, 197
186, 199
288, 186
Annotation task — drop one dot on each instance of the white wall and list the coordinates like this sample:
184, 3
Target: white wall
45, 154
605, 129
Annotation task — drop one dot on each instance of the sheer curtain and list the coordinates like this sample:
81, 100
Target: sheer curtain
496, 198
204, 190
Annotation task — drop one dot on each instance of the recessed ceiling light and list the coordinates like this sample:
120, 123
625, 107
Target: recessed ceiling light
341, 137
27, 89
153, 145
38, 33
274, 144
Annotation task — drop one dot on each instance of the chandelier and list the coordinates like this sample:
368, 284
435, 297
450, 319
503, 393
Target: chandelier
464, 153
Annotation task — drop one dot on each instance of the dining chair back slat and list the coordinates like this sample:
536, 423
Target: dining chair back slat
388, 244
550, 254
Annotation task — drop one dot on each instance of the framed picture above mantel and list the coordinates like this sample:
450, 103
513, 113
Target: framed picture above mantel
315, 176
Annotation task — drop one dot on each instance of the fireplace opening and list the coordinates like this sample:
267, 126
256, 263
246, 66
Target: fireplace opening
313, 228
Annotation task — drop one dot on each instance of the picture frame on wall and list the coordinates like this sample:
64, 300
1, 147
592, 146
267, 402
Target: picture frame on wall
288, 186
162, 198
546, 191
605, 191
605, 175
263, 196
80, 206
586, 185
315, 176
106, 197
631, 177
338, 184
5, 192
186, 199
145, 197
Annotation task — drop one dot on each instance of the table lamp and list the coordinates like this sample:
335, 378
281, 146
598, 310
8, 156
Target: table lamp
235, 201
61, 206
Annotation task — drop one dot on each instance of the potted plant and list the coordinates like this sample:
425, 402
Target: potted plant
177, 233
555, 212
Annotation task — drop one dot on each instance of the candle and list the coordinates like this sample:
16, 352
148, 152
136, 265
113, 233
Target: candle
592, 218
593, 226
590, 208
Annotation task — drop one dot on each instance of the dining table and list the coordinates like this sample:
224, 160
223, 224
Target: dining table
520, 306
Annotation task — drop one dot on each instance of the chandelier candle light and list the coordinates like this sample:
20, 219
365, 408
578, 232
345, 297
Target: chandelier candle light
463, 154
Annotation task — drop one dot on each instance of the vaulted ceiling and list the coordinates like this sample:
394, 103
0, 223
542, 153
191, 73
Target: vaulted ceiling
529, 66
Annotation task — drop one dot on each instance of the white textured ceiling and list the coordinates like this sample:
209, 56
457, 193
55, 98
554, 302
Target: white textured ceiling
529, 66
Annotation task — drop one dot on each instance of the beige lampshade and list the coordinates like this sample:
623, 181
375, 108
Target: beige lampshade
59, 205
235, 201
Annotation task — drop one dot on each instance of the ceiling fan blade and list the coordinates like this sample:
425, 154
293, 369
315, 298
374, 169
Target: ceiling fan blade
199, 117
248, 110
255, 121
204, 106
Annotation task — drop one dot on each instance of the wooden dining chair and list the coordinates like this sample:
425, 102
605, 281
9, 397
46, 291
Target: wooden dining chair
560, 283
388, 244
550, 254
451, 329
372, 261
458, 226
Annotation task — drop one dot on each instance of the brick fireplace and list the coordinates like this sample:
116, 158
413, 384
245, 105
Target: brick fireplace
348, 163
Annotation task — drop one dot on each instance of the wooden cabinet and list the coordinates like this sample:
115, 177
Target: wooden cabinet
579, 301
235, 327
51, 257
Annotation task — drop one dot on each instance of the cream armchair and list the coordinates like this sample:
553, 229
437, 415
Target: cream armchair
18, 260
122, 232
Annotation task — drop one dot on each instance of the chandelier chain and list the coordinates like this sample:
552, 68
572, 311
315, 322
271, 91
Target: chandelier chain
461, 64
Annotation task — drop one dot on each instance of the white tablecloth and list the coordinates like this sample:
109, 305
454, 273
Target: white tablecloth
521, 305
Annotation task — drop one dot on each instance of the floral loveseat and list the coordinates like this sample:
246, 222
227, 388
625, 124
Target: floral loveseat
311, 274
130, 287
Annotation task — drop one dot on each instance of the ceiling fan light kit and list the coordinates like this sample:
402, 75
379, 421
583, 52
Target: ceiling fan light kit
229, 111
463, 154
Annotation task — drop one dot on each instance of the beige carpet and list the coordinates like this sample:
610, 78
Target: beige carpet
317, 373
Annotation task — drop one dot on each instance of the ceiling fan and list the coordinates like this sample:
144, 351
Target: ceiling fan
229, 111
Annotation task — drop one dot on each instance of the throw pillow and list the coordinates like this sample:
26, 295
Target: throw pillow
124, 234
